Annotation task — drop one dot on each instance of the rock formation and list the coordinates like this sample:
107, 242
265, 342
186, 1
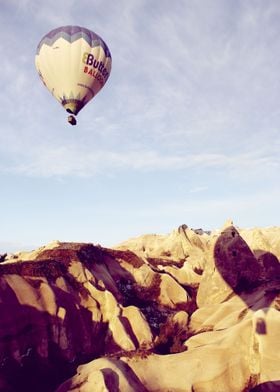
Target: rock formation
189, 311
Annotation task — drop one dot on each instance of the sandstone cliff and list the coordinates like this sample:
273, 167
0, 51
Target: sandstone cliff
189, 311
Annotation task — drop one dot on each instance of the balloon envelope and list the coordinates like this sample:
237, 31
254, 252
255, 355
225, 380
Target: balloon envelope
74, 63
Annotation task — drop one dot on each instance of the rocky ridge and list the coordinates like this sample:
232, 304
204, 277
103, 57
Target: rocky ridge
189, 311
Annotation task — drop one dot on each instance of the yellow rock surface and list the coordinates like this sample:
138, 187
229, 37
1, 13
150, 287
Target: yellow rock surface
187, 311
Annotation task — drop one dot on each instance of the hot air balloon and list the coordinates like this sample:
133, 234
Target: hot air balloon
74, 63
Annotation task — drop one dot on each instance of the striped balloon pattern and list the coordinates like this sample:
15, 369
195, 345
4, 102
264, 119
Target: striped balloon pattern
74, 64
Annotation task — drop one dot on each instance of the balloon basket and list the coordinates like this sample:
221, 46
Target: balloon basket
71, 119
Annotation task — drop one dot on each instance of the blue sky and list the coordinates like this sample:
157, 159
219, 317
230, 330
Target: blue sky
186, 130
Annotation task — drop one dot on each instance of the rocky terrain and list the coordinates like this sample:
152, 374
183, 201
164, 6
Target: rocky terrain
190, 311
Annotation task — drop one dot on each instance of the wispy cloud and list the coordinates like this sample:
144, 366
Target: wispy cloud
74, 160
190, 77
53, 13
198, 189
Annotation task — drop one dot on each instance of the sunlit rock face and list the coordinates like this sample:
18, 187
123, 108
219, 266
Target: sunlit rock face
234, 359
68, 303
189, 311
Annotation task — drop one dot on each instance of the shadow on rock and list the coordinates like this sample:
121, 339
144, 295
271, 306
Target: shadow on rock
38, 351
246, 271
129, 374
270, 386
111, 379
